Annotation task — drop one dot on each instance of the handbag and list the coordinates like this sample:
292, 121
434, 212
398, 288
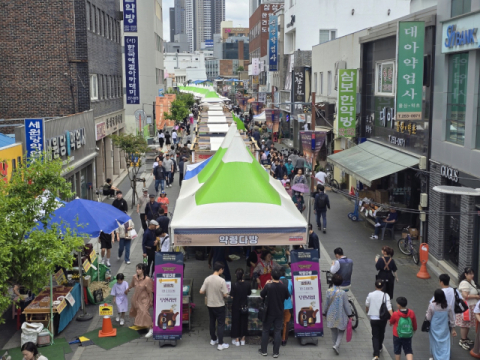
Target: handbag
133, 234
426, 325
466, 315
349, 330
460, 305
384, 313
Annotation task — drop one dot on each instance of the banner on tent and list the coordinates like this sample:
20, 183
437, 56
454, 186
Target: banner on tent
168, 290
307, 294
245, 239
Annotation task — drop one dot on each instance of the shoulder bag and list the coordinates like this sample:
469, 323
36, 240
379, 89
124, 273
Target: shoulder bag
384, 313
460, 305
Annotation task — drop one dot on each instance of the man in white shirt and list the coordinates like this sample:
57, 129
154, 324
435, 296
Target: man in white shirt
449, 292
174, 137
321, 176
164, 242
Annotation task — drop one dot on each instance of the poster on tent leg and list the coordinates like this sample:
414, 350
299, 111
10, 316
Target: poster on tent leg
312, 142
168, 300
307, 293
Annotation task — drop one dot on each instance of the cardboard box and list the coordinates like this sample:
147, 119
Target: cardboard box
413, 233
381, 196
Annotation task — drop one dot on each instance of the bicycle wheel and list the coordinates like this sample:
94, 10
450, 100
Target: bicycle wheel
334, 184
415, 256
403, 246
355, 315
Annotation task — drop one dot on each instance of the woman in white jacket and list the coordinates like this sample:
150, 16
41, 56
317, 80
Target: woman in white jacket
126, 233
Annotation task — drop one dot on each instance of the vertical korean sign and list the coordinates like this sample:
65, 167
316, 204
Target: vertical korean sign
299, 85
130, 15
410, 49
307, 294
168, 302
347, 102
34, 137
131, 70
272, 43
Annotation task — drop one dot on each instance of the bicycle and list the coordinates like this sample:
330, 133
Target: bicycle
406, 246
329, 277
331, 182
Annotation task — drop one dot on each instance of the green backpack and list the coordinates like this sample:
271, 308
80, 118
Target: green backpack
405, 328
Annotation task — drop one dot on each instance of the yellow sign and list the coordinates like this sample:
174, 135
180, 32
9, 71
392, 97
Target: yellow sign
86, 265
105, 310
60, 277
62, 306
93, 256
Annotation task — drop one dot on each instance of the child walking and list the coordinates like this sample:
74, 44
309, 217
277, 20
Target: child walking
404, 325
119, 297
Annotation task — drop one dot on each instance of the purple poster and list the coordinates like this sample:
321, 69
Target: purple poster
307, 293
168, 288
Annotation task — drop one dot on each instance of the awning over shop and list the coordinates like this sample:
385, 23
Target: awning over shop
370, 161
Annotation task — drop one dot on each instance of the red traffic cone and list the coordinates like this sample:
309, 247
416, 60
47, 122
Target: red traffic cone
423, 273
352, 191
107, 328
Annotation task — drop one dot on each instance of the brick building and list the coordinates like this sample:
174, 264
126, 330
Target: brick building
258, 25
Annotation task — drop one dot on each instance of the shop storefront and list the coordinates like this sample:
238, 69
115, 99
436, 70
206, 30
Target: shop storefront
110, 162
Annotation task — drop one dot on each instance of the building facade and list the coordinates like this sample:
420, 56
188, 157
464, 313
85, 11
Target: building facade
192, 65
258, 29
454, 230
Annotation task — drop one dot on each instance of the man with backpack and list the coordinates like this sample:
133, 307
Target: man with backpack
453, 296
322, 202
404, 325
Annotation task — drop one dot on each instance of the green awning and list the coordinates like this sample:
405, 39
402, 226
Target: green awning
370, 161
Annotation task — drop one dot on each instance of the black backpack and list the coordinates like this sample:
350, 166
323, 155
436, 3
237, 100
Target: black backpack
321, 201
460, 305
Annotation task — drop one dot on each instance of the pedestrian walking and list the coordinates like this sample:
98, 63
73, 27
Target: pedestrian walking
168, 164
337, 312
120, 298
149, 244
299, 178
287, 305
470, 293
160, 175
163, 220
120, 202
164, 243
167, 139
299, 201
320, 177
142, 203
404, 325
321, 203
163, 201
442, 326
181, 169
241, 289
289, 167
161, 139
216, 291
142, 299
124, 234
313, 241
373, 303
342, 266
152, 208
300, 164
274, 294
387, 269
106, 241
174, 137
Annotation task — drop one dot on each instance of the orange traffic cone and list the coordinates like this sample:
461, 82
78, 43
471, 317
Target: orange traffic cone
352, 191
423, 273
107, 328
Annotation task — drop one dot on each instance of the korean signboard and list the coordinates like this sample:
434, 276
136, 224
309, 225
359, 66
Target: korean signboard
34, 137
108, 125
168, 290
131, 70
347, 102
267, 10
460, 34
130, 15
65, 144
299, 84
307, 294
410, 49
272, 43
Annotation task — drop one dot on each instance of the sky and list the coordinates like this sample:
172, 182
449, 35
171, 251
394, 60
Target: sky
235, 10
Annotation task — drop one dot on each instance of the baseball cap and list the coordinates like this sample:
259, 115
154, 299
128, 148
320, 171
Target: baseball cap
153, 222
144, 189
151, 196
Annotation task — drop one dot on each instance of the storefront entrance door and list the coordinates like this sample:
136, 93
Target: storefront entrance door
452, 229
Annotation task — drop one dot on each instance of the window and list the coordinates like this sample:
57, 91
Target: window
93, 18
385, 78
99, 21
93, 87
104, 22
327, 35
321, 83
14, 166
457, 97
329, 84
87, 13
107, 26
105, 95
100, 87
460, 7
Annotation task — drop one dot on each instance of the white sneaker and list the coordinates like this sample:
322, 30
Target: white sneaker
374, 237
128, 262
108, 262
223, 346
122, 321
234, 342
378, 224
237, 343
242, 342
118, 318
213, 342
149, 334
119, 258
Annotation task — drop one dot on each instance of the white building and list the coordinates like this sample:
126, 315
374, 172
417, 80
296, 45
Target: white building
150, 60
186, 66
190, 22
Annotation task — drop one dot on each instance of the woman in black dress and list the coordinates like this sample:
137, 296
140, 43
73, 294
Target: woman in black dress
387, 270
239, 293
167, 138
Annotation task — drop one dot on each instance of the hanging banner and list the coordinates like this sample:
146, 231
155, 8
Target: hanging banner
272, 43
130, 15
168, 290
410, 49
34, 137
131, 70
312, 142
307, 294
347, 102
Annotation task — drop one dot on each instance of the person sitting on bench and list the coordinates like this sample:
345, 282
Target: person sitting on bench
388, 222
109, 189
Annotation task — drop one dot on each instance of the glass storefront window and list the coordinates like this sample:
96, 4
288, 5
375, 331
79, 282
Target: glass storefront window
457, 97
460, 7
452, 229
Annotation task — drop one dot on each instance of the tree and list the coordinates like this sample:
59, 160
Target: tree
240, 68
188, 99
178, 111
133, 148
28, 255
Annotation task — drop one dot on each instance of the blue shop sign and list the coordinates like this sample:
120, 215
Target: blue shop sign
460, 34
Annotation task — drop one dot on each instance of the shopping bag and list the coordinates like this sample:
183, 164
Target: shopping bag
349, 330
466, 315
133, 234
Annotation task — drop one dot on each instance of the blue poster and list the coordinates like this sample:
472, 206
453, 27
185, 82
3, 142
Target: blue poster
130, 15
131, 70
273, 43
34, 137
